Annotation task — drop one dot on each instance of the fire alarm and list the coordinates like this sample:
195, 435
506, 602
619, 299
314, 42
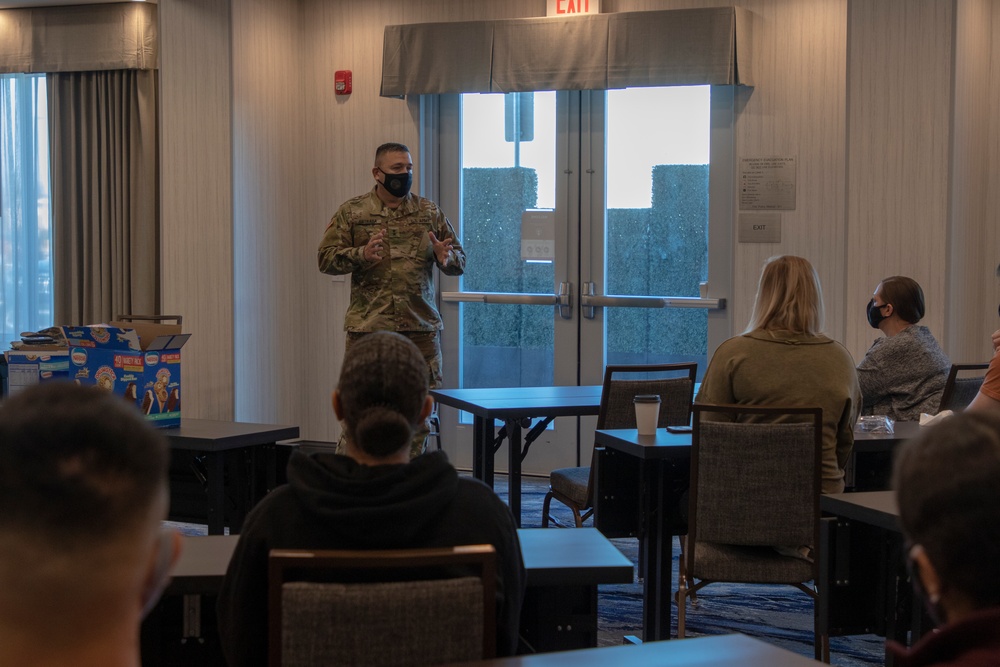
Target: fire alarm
342, 82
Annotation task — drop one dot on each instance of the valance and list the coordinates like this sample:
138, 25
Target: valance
595, 52
79, 38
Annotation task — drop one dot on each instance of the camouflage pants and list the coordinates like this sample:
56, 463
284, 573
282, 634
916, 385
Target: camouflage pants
429, 344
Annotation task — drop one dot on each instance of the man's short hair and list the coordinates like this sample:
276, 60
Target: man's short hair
391, 147
947, 483
77, 464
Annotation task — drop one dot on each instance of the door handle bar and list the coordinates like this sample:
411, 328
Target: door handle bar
564, 299
589, 301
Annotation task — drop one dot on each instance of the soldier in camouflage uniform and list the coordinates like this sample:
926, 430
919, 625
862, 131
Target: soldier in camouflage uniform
389, 240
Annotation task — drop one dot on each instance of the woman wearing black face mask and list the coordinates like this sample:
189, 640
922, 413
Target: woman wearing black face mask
904, 373
952, 524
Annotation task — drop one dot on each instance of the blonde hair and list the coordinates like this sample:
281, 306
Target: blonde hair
789, 297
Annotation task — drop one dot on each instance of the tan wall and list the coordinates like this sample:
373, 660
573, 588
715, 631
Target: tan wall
891, 145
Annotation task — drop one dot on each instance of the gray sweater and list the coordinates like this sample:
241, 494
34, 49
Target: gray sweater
903, 375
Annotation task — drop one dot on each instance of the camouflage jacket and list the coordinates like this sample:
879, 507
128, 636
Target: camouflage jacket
397, 292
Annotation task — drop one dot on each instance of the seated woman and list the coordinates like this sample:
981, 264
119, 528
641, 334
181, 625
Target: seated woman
375, 497
782, 359
953, 538
903, 373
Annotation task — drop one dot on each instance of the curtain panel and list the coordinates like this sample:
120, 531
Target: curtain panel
105, 194
79, 38
618, 50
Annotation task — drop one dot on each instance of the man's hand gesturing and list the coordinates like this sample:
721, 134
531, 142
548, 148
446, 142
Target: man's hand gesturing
373, 249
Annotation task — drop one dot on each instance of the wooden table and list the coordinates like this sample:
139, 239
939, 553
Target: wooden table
243, 450
864, 585
701, 652
563, 567
645, 500
515, 407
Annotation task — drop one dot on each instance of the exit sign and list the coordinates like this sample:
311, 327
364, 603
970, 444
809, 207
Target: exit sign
572, 7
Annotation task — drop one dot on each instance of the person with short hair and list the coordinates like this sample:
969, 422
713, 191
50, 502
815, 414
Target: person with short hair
390, 240
374, 497
947, 483
783, 359
83, 490
904, 372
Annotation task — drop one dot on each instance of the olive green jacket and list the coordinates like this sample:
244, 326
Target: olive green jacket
770, 368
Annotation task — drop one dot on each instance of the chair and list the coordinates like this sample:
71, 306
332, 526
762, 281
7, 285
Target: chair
382, 608
574, 487
754, 484
959, 391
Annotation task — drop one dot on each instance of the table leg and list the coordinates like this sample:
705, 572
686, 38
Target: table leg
657, 544
216, 464
514, 469
482, 450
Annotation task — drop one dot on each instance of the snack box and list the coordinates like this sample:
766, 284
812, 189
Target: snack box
26, 367
143, 369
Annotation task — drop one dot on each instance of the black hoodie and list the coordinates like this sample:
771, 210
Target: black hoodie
333, 502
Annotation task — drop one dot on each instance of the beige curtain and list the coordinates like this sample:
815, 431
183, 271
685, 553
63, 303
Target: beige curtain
617, 50
105, 194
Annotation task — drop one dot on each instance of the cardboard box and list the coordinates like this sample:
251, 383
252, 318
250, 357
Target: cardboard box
29, 367
142, 364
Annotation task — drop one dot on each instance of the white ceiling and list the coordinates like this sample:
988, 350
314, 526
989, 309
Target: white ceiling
18, 4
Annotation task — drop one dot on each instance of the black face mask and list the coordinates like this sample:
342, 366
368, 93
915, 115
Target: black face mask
875, 315
398, 185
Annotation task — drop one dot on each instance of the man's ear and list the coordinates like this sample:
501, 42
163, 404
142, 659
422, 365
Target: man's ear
338, 409
929, 579
161, 564
428, 407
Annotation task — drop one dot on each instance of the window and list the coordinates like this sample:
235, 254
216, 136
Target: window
25, 218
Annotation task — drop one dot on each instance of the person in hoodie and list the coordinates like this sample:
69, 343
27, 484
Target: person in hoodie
782, 359
374, 497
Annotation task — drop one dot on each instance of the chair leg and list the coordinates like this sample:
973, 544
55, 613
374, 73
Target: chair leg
821, 640
545, 509
577, 517
681, 607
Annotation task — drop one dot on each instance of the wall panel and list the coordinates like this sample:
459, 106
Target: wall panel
975, 230
196, 195
899, 86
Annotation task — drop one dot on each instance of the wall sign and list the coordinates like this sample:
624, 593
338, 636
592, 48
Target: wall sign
767, 184
760, 228
538, 235
572, 7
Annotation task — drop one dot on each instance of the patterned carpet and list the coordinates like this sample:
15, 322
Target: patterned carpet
780, 615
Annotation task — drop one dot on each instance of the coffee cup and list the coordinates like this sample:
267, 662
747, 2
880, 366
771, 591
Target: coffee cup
647, 413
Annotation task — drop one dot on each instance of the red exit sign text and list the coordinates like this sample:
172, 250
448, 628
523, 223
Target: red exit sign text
572, 7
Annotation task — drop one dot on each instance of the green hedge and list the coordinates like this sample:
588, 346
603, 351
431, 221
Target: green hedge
660, 250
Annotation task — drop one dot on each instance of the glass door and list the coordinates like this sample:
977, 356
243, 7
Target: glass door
585, 219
